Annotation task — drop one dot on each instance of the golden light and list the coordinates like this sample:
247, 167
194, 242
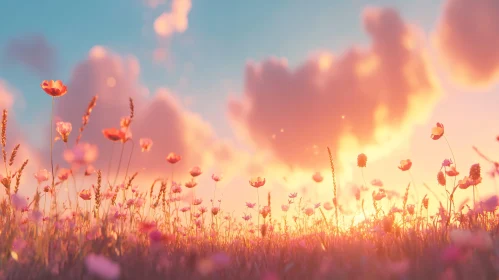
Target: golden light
343, 116
325, 62
367, 66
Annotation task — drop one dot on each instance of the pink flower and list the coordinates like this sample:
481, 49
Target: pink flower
317, 177
377, 183
89, 170
85, 195
63, 174
197, 201
145, 144
64, 129
285, 207
173, 158
191, 184
250, 205
215, 210
328, 206
257, 182
216, 178
19, 202
405, 164
446, 163
265, 211
81, 154
195, 171
42, 175
102, 267
293, 195
309, 211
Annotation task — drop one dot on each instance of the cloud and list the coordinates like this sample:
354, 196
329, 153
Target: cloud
175, 21
466, 38
33, 52
9, 99
364, 100
161, 117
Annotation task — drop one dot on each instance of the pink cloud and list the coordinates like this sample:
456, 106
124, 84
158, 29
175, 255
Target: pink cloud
160, 117
467, 38
9, 99
175, 21
33, 52
363, 98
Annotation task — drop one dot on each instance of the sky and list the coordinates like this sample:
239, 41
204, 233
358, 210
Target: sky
261, 88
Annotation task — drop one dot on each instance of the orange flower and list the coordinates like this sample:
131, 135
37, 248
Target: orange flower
54, 88
257, 182
317, 177
125, 122
85, 195
173, 158
265, 211
113, 134
441, 178
145, 144
437, 131
425, 202
63, 174
405, 164
216, 178
361, 160
452, 172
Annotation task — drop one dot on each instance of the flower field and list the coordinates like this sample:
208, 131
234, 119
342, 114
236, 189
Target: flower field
110, 228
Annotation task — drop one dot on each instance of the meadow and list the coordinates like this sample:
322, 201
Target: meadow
112, 229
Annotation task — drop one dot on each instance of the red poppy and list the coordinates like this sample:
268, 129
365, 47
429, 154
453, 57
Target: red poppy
54, 88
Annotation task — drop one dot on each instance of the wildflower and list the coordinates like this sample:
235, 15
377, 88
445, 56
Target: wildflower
452, 172
85, 195
125, 122
293, 195
257, 182
197, 201
63, 174
441, 178
64, 129
328, 206
173, 158
446, 163
42, 175
145, 144
378, 195
89, 170
285, 207
410, 208
309, 211
191, 184
265, 211
185, 209
405, 164
475, 171
377, 183
437, 131
102, 267
425, 202
203, 209
361, 160
113, 134
247, 217
317, 177
215, 210
81, 154
356, 192
250, 205
195, 171
18, 201
176, 188
54, 88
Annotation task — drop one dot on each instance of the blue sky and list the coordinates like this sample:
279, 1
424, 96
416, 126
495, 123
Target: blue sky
208, 58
